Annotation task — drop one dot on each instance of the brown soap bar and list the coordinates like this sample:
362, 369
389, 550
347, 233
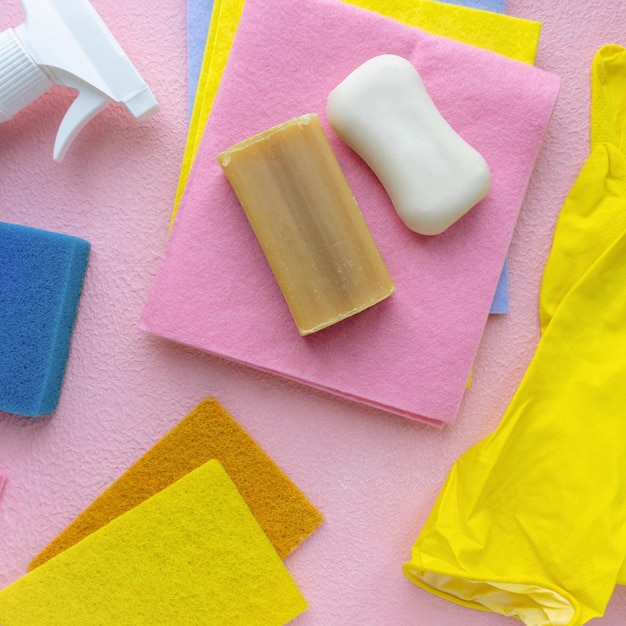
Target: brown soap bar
308, 223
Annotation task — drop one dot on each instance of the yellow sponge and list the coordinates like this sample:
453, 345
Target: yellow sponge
208, 432
192, 554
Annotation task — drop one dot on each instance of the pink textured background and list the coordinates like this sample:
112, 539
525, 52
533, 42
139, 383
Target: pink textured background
373, 475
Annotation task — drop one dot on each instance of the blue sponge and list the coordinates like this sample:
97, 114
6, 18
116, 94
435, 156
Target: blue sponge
41, 278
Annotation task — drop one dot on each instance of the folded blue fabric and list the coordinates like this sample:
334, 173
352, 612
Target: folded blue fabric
198, 22
41, 279
501, 298
497, 6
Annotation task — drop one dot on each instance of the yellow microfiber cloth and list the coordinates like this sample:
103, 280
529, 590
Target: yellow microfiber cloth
531, 521
192, 554
509, 36
208, 432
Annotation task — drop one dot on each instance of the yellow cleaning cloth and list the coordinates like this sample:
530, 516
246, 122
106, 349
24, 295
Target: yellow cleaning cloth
531, 521
208, 432
192, 554
509, 36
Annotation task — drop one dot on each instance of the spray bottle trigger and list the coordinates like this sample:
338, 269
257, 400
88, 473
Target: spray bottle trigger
89, 102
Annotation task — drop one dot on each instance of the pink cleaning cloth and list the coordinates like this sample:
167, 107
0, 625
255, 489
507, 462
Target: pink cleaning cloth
413, 353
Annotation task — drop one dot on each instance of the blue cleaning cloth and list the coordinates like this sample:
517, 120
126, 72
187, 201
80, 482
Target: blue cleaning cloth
500, 302
41, 279
497, 6
198, 22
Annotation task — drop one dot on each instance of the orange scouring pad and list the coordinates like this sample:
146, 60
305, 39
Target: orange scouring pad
208, 432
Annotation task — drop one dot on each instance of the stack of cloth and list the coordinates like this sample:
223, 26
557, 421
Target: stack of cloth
267, 62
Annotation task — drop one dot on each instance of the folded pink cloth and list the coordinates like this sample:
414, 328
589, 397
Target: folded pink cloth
413, 353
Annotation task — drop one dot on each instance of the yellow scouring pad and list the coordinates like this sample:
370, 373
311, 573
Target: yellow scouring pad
191, 554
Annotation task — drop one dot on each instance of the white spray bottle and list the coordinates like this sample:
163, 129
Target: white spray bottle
65, 42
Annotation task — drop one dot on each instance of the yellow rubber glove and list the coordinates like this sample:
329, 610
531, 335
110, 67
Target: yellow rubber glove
593, 215
532, 520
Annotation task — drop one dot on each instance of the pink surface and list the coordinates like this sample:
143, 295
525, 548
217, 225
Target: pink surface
374, 476
413, 353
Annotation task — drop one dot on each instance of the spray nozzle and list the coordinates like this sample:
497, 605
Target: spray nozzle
65, 42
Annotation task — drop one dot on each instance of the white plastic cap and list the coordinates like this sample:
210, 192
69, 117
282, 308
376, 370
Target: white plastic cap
21, 79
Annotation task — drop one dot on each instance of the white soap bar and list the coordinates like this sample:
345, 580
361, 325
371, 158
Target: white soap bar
384, 113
